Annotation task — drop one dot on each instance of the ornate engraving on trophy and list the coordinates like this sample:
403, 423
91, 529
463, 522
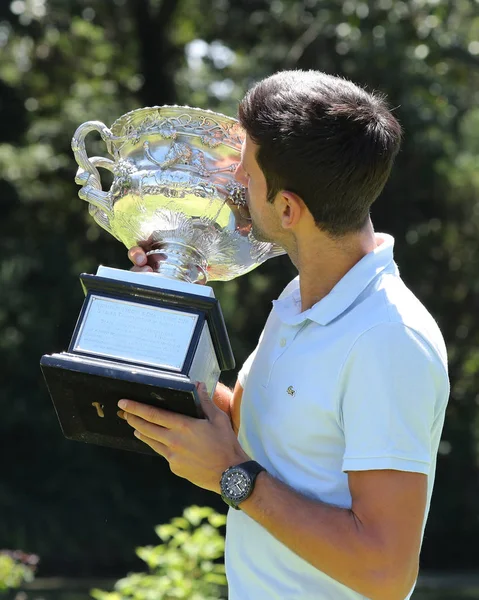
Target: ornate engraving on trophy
179, 153
183, 154
235, 193
124, 167
211, 131
123, 170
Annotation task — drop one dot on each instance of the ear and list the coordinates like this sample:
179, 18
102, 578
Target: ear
291, 209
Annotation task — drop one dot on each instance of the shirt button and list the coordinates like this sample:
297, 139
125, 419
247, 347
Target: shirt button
282, 342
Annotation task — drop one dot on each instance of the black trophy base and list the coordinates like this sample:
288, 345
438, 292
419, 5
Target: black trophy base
85, 393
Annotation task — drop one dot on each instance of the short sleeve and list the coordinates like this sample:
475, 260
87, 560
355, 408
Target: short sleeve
245, 369
393, 387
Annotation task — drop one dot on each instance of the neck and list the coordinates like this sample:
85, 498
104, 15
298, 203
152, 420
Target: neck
322, 262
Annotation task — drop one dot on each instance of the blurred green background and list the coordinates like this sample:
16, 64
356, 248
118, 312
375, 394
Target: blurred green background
84, 508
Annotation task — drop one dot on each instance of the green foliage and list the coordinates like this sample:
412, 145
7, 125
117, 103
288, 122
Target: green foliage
16, 568
185, 565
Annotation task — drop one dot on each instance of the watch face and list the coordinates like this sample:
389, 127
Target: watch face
236, 485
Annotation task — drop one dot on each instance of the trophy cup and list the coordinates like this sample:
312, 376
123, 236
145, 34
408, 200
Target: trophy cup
151, 336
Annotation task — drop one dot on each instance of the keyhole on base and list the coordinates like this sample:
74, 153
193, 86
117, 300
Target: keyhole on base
99, 409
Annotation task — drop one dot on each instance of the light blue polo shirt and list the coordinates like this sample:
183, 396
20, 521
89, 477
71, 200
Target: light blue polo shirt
357, 382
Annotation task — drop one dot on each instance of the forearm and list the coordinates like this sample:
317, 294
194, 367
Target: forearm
330, 538
222, 398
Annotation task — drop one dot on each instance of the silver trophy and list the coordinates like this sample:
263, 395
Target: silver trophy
152, 336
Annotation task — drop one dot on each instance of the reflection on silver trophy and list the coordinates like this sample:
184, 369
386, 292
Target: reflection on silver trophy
174, 191
152, 336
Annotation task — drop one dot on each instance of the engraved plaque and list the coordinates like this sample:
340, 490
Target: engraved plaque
139, 333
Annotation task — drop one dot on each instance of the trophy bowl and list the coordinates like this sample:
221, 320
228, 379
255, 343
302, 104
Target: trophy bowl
174, 192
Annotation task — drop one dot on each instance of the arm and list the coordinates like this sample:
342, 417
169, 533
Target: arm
372, 548
392, 393
229, 401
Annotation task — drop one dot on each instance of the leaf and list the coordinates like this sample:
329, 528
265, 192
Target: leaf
217, 520
166, 532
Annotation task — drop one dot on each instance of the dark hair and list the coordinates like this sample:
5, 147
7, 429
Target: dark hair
325, 139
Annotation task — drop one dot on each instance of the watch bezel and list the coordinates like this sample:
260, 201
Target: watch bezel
233, 502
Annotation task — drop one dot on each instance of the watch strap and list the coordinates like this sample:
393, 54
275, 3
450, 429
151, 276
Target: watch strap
252, 467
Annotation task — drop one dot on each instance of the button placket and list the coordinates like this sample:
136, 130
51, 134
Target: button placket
286, 336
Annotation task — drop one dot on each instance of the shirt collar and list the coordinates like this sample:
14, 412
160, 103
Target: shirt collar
344, 293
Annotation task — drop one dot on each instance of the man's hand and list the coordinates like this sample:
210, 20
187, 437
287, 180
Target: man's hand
139, 259
197, 449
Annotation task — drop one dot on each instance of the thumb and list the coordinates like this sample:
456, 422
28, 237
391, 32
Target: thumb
208, 406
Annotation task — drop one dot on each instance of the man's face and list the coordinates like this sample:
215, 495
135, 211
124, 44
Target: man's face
265, 222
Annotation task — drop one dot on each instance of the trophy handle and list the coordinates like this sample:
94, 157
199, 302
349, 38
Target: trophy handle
87, 175
99, 214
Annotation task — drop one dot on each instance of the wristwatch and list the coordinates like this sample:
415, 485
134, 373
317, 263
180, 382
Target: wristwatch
237, 483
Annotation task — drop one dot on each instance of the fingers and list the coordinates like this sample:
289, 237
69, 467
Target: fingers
146, 429
137, 256
155, 436
158, 447
202, 391
145, 269
154, 415
139, 259
209, 407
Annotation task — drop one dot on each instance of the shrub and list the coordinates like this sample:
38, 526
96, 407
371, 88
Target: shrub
16, 568
187, 564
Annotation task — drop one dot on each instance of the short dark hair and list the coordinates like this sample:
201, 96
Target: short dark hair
325, 139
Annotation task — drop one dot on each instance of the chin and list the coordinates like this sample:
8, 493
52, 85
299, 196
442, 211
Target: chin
260, 235
258, 232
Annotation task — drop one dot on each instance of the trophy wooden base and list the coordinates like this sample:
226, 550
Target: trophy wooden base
138, 342
85, 392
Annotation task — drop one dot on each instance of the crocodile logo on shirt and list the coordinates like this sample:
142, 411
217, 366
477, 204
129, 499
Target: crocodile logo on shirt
291, 391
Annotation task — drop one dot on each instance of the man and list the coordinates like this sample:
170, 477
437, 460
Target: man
342, 403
